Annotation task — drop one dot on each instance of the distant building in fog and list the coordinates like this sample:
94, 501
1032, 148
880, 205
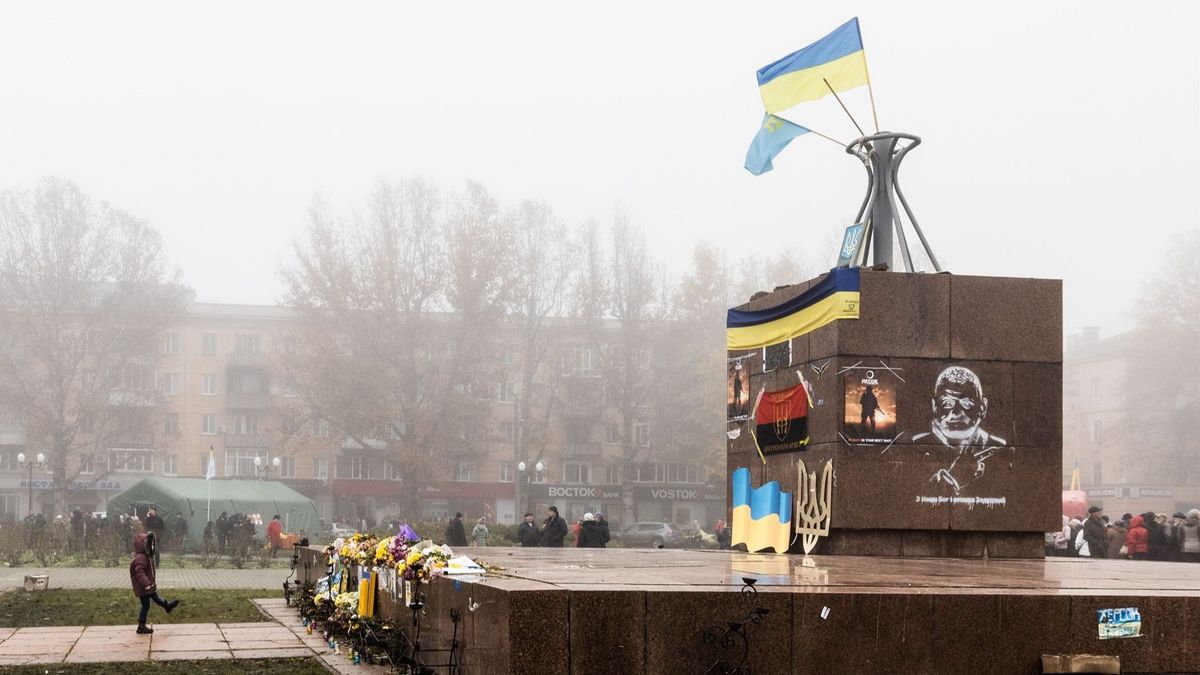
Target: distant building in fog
1093, 412
219, 386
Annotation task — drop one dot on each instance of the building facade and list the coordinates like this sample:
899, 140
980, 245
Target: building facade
220, 394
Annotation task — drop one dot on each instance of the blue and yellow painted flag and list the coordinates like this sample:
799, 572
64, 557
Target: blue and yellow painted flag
772, 137
762, 516
833, 297
800, 76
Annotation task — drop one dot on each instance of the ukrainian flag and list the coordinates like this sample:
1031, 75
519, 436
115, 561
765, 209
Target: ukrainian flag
800, 76
762, 516
833, 297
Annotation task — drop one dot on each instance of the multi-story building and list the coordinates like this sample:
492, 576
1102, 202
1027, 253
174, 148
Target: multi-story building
220, 393
1093, 411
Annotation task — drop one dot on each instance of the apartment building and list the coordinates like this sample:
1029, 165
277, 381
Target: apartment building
220, 392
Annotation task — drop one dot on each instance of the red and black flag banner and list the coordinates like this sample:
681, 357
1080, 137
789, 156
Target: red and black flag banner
781, 420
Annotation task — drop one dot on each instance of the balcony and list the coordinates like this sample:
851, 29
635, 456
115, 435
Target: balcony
245, 401
582, 451
248, 360
233, 440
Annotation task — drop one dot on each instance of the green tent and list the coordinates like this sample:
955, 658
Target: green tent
190, 496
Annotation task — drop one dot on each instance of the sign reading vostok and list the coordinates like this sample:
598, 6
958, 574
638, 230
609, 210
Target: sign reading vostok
613, 492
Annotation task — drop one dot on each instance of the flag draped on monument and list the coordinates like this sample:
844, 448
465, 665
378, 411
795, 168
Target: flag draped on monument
833, 297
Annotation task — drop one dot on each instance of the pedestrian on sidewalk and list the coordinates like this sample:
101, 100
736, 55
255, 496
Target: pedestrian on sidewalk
479, 533
141, 576
275, 534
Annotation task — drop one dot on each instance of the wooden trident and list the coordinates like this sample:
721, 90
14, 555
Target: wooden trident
813, 504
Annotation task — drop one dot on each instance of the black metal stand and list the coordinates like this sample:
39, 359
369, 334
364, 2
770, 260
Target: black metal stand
732, 637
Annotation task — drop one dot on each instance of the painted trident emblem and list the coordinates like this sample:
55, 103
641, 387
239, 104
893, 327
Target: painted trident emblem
813, 504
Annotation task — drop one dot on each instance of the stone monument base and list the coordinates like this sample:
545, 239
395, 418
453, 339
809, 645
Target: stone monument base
646, 611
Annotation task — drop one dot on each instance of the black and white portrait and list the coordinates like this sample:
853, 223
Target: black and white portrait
959, 410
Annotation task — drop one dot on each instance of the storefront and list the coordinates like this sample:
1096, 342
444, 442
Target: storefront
573, 501
85, 495
680, 504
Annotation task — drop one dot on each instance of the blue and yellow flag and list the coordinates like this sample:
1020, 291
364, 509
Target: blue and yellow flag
800, 76
833, 297
772, 137
762, 516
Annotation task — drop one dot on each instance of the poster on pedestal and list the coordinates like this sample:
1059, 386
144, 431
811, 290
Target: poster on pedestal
870, 404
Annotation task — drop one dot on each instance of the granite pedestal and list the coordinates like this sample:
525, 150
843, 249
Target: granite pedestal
645, 611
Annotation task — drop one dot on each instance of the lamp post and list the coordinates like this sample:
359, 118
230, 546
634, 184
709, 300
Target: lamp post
41, 460
263, 468
528, 476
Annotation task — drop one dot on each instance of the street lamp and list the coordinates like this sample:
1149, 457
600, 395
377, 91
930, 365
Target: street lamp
259, 466
41, 460
528, 477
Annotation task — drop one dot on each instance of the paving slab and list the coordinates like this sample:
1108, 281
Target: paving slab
191, 656
170, 577
272, 653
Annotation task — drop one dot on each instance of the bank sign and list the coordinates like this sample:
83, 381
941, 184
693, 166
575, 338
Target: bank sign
577, 491
673, 494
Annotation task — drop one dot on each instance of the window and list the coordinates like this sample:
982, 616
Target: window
132, 460
136, 378
612, 432
508, 355
208, 384
1095, 389
169, 383
169, 466
208, 344
576, 472
1097, 432
580, 360
322, 430
506, 392
87, 464
248, 344
245, 424
89, 381
171, 423
8, 459
578, 431
641, 434
320, 468
539, 477
8, 506
240, 461
696, 474
355, 466
1097, 473
464, 471
287, 467
171, 343
208, 424
612, 474
246, 384
652, 472
507, 432
392, 471
506, 472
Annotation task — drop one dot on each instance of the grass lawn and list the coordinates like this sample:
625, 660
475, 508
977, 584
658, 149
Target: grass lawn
116, 606
240, 667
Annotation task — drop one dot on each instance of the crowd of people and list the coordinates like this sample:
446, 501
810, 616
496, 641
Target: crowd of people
590, 531
1148, 536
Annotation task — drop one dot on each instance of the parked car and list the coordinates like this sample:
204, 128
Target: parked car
653, 534
340, 530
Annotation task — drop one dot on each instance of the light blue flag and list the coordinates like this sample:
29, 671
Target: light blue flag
773, 136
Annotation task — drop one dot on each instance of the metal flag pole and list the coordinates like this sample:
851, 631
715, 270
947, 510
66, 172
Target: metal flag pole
844, 108
870, 90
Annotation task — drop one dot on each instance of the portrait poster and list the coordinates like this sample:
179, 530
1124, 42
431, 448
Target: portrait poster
737, 389
777, 356
871, 395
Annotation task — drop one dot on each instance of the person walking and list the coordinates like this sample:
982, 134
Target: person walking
1159, 537
479, 533
275, 534
456, 534
222, 531
527, 532
1116, 539
141, 576
1189, 537
590, 535
1093, 533
179, 529
1137, 540
554, 529
154, 523
605, 536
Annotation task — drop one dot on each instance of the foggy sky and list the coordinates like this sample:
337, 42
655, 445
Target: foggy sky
1061, 139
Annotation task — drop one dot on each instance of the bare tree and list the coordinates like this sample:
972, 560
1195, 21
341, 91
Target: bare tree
620, 299
1161, 388
378, 357
85, 295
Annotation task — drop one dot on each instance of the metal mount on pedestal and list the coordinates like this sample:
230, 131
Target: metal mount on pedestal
881, 155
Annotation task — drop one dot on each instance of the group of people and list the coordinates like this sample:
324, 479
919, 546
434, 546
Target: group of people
591, 531
1148, 536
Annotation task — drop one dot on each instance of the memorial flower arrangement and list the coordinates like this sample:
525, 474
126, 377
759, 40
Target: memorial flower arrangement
424, 561
359, 548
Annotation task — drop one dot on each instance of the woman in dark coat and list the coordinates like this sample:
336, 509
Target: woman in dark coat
590, 535
141, 576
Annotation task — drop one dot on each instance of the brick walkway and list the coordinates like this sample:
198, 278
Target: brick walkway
170, 577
